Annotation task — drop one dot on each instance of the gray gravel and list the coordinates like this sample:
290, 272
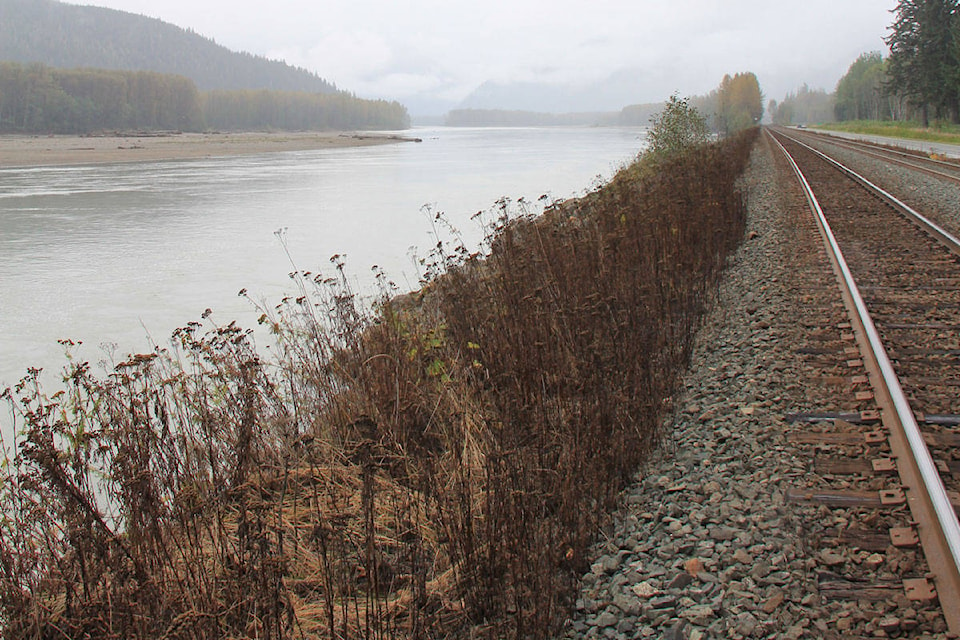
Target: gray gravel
944, 149
705, 544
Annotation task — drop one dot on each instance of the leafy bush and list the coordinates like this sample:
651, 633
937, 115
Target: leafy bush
677, 128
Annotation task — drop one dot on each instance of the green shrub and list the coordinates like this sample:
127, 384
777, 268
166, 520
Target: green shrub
677, 128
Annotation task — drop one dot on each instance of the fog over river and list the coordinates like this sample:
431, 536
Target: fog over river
110, 254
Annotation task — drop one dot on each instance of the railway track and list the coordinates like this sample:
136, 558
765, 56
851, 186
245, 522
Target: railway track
895, 445
911, 159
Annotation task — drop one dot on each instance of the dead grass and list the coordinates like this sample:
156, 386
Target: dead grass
436, 467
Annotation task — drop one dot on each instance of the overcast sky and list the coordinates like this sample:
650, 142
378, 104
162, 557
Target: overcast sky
438, 51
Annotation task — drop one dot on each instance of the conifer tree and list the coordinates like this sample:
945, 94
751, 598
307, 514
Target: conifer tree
924, 58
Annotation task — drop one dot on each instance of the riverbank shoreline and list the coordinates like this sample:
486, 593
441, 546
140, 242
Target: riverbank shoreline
19, 151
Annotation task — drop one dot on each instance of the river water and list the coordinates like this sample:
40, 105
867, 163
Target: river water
123, 254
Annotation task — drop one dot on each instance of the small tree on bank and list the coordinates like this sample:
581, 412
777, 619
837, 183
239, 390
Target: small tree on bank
679, 126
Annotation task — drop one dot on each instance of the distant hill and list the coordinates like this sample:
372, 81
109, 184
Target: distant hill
624, 87
68, 36
637, 115
503, 118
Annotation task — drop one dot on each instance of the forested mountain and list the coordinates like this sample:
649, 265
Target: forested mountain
604, 95
504, 118
77, 69
68, 36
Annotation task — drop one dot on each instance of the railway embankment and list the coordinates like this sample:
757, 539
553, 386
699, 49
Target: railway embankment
717, 538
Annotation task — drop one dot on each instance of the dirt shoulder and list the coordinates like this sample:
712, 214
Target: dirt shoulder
31, 151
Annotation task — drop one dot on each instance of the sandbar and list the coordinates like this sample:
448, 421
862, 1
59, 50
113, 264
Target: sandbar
56, 150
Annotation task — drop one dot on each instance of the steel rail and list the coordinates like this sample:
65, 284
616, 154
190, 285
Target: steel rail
936, 521
949, 240
884, 153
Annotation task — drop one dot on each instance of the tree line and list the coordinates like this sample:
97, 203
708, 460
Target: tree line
865, 92
35, 98
918, 80
805, 105
736, 104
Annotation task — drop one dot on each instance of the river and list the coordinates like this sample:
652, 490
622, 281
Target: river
122, 254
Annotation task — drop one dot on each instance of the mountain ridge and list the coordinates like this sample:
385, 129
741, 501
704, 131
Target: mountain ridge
70, 36
629, 86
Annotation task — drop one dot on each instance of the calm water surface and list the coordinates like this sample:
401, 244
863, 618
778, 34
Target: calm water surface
123, 254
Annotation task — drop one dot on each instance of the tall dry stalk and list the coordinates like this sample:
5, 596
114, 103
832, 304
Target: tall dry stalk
434, 468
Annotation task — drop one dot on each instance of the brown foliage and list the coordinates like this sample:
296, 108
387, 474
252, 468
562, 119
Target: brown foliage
437, 468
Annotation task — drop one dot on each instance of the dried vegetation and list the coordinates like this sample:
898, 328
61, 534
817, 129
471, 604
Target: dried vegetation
436, 467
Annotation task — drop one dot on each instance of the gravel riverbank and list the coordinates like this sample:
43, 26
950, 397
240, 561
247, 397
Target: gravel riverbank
706, 545
35, 151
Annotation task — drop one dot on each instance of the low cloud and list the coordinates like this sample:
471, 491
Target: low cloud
446, 50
